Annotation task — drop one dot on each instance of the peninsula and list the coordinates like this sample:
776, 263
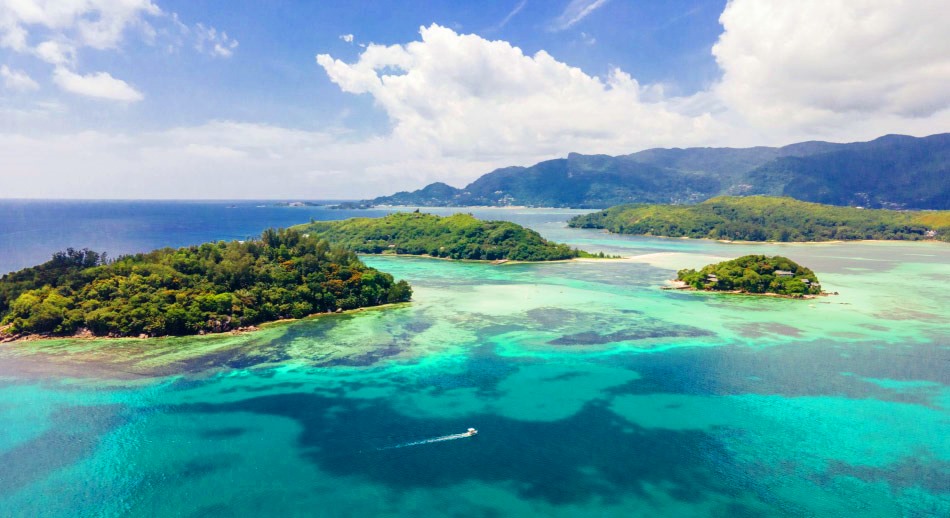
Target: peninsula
214, 287
767, 218
758, 274
460, 236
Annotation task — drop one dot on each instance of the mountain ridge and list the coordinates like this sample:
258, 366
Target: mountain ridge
891, 171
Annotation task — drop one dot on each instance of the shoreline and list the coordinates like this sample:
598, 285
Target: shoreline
676, 287
741, 242
496, 262
232, 332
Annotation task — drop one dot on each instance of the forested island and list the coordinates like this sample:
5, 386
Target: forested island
766, 218
214, 287
754, 274
460, 236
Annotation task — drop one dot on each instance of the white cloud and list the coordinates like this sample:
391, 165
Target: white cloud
464, 96
64, 27
214, 42
461, 105
815, 65
100, 85
17, 79
56, 52
576, 11
98, 24
347, 38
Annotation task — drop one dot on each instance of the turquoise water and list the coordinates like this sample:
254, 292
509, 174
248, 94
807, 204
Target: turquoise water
595, 393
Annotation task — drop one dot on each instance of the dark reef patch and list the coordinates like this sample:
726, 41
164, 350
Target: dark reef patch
593, 454
222, 433
630, 335
799, 369
73, 435
930, 474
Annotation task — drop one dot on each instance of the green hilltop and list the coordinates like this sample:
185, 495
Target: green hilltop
765, 218
754, 274
209, 288
460, 236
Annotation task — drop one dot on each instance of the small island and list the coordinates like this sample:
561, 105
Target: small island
460, 236
753, 274
768, 218
214, 287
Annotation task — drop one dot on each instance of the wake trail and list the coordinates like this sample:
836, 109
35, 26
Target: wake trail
428, 441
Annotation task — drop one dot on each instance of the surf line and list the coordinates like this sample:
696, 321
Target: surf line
471, 432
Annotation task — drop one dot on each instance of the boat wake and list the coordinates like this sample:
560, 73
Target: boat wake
470, 433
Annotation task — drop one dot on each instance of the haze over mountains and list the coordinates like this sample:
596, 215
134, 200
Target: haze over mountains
893, 171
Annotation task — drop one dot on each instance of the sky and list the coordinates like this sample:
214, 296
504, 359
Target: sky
192, 99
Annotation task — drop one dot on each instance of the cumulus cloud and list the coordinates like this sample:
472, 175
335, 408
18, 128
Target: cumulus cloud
576, 11
347, 38
100, 85
463, 96
815, 63
17, 79
461, 105
98, 24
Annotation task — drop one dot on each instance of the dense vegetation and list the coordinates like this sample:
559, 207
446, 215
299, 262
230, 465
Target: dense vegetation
456, 237
209, 288
764, 218
892, 172
754, 274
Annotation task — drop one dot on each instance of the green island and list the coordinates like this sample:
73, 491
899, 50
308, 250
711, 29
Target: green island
460, 236
214, 287
757, 274
767, 218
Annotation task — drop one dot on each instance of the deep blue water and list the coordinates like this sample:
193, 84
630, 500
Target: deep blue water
32, 230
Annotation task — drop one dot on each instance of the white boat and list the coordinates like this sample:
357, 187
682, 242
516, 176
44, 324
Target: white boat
471, 432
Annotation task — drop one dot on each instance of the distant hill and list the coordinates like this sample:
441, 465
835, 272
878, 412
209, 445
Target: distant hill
765, 218
893, 171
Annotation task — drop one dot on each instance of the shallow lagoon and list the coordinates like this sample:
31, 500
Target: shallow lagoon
594, 392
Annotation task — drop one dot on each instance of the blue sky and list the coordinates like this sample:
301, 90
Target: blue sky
249, 99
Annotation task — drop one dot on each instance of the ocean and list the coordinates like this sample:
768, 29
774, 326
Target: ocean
594, 392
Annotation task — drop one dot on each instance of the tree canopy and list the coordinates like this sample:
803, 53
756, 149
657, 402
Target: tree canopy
208, 288
754, 274
765, 218
460, 236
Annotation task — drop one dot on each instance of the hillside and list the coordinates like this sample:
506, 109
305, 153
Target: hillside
461, 236
209, 288
890, 172
764, 218
754, 274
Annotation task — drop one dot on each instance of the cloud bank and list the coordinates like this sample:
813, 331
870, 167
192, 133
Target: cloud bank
461, 105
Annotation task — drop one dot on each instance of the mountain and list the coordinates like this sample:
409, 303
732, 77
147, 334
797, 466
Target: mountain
893, 171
